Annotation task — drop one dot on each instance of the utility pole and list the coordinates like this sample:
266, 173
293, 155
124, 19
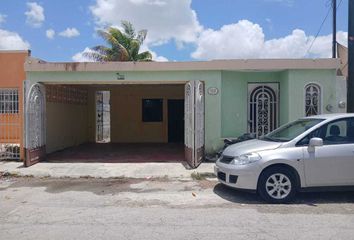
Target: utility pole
350, 98
334, 42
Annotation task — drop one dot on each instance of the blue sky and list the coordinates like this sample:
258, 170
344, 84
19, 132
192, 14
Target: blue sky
179, 30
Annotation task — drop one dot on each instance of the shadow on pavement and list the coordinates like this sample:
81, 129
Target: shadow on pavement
305, 198
236, 196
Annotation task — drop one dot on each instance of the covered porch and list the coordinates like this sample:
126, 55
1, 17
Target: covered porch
119, 153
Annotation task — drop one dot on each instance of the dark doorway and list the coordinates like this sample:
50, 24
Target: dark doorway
176, 121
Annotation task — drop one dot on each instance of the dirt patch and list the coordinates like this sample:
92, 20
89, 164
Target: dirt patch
7, 175
98, 186
205, 184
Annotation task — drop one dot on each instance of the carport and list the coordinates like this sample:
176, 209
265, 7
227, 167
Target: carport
115, 123
111, 121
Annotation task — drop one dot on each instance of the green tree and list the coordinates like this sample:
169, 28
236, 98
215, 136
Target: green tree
123, 45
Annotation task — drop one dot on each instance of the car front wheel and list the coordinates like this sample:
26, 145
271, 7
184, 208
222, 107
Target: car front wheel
277, 185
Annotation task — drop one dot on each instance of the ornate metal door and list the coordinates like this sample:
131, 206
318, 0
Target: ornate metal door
199, 123
189, 123
35, 124
99, 116
194, 123
263, 107
103, 121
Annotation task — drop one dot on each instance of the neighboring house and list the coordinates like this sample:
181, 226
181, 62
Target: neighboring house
198, 103
343, 57
12, 75
342, 77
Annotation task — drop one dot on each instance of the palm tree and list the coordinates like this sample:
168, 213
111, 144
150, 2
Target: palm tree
124, 46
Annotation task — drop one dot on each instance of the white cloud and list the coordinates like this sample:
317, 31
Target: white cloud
165, 19
322, 47
12, 41
79, 57
155, 56
50, 33
35, 14
69, 33
175, 20
2, 18
240, 40
247, 40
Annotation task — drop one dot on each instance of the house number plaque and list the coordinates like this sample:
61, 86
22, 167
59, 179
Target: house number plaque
213, 91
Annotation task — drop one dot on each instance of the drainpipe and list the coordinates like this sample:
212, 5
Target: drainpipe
350, 99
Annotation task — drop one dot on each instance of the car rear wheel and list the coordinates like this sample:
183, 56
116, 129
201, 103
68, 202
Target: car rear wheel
277, 185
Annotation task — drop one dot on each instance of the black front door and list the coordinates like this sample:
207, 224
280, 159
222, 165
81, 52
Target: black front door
176, 121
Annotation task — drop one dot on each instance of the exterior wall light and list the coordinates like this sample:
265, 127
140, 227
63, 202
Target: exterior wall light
342, 104
329, 108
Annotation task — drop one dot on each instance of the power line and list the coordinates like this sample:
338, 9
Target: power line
323, 22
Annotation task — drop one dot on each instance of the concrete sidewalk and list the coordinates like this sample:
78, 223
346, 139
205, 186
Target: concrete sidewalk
107, 170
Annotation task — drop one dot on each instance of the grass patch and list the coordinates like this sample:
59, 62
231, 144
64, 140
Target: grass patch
14, 175
201, 176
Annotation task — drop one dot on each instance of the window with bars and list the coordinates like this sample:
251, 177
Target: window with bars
312, 99
9, 101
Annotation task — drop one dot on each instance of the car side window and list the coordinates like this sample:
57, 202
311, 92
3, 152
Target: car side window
340, 132
336, 132
350, 130
316, 133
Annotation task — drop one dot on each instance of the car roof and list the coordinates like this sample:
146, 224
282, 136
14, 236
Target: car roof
331, 116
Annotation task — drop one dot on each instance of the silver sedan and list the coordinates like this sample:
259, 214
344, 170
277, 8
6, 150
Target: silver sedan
310, 153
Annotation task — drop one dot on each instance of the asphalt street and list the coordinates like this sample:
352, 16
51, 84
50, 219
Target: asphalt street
86, 208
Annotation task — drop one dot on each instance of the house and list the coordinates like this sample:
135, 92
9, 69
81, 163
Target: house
12, 76
193, 103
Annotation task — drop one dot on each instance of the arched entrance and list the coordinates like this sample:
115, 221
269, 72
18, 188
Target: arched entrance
35, 124
262, 108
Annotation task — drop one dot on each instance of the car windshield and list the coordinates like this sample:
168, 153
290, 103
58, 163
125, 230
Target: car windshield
291, 130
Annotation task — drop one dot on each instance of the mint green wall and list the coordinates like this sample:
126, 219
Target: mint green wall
291, 95
226, 112
297, 81
284, 110
235, 97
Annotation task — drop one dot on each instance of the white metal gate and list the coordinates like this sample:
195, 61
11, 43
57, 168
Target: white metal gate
103, 124
194, 123
35, 124
263, 108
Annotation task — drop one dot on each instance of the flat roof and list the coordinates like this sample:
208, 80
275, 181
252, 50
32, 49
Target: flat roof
15, 51
37, 65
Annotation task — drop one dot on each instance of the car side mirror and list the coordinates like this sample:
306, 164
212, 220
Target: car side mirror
314, 142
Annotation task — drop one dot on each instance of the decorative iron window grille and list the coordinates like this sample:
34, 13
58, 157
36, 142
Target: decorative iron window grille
312, 99
9, 101
9, 151
66, 94
9, 124
263, 114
